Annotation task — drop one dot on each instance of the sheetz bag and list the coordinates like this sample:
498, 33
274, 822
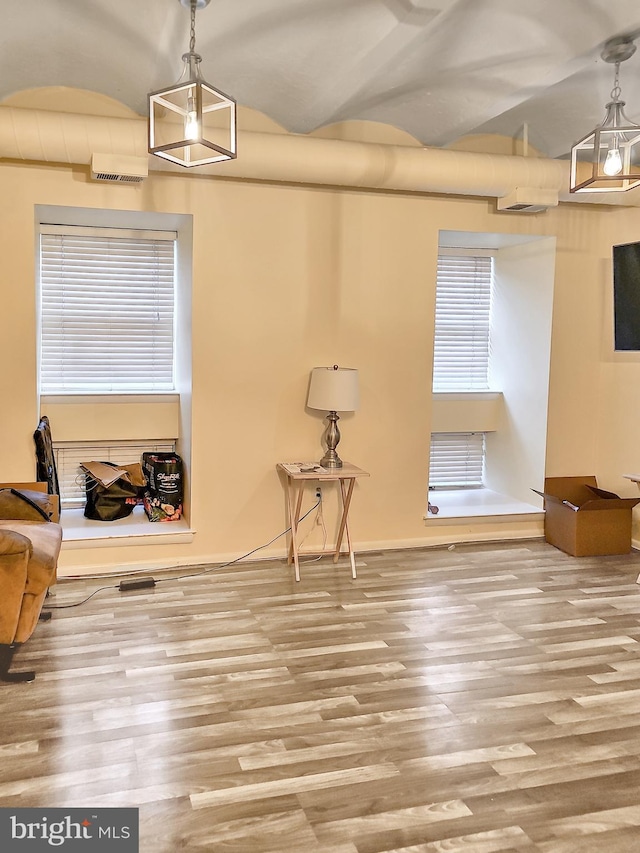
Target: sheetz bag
163, 494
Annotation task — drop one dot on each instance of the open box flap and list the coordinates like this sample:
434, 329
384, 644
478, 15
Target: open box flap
602, 493
585, 497
575, 490
609, 503
556, 500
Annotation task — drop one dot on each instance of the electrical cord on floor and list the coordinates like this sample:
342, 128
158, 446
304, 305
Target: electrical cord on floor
214, 568
77, 603
237, 559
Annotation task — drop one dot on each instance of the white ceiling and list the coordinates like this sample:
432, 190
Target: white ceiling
438, 69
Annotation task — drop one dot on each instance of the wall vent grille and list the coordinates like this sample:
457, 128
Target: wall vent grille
107, 176
118, 168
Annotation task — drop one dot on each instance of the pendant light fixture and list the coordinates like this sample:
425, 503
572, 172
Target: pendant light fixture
191, 123
608, 159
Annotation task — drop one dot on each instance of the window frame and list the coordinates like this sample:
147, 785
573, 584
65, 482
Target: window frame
110, 426
446, 449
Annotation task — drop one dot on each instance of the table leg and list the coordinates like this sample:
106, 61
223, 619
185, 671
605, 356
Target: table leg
294, 501
346, 492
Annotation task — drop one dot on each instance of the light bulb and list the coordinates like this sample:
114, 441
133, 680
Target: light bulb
613, 162
191, 125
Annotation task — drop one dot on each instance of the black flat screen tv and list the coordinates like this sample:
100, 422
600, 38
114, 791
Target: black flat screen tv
626, 296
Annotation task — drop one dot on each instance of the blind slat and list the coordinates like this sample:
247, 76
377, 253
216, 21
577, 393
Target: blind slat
456, 459
107, 310
462, 322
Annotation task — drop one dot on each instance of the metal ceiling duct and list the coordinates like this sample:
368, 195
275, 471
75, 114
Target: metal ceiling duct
68, 138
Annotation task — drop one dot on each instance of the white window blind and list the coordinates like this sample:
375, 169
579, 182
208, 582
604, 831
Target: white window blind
456, 459
463, 304
107, 310
68, 457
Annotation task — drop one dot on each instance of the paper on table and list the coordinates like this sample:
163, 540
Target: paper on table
304, 468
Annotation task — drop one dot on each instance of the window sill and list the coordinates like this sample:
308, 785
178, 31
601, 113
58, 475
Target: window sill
136, 529
91, 397
481, 505
453, 396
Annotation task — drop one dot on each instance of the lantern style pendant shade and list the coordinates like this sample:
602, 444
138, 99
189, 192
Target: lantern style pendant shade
608, 158
192, 123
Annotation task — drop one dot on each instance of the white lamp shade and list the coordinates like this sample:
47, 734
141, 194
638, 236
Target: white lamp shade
334, 389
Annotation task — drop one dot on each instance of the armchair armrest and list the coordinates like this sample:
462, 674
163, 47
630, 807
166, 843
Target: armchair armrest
38, 487
15, 551
13, 543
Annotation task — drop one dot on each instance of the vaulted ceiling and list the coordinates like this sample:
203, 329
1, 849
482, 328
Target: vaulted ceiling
438, 69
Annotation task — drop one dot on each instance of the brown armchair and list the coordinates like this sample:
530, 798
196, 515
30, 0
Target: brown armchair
30, 539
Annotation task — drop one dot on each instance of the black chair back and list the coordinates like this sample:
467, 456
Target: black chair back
45, 460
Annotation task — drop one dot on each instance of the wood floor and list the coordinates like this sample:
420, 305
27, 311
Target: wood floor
484, 699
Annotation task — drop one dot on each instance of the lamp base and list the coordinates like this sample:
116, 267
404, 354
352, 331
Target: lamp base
331, 460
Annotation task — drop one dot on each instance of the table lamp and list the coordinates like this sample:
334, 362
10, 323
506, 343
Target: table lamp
333, 389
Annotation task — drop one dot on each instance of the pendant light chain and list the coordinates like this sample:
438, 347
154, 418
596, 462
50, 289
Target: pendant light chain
192, 39
616, 91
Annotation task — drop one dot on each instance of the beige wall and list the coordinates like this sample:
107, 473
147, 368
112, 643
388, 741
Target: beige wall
286, 278
618, 410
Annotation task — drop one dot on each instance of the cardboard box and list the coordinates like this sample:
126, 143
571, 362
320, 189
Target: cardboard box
585, 521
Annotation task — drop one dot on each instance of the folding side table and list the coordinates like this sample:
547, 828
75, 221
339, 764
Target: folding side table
297, 476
